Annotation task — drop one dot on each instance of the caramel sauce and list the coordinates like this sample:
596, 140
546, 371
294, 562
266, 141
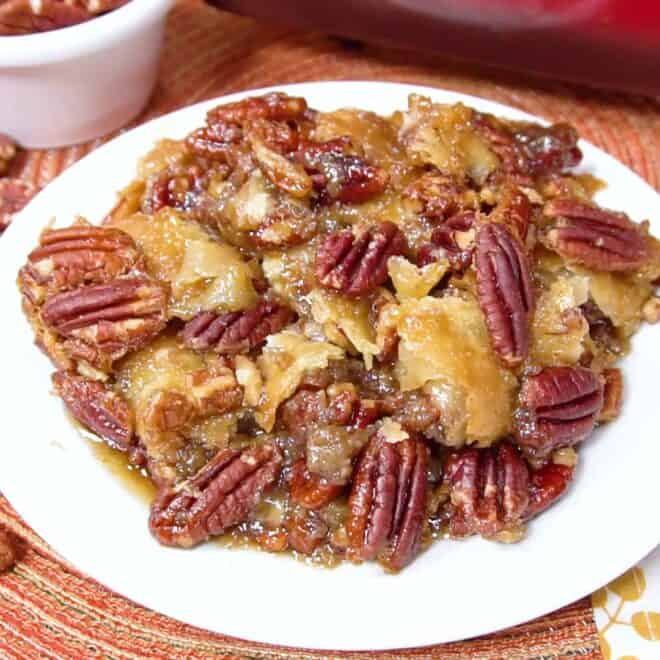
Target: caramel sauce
116, 462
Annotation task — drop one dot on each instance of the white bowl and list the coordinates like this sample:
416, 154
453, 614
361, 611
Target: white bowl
78, 83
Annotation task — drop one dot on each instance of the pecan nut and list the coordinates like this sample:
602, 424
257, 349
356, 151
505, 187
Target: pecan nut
223, 137
285, 226
530, 150
175, 188
282, 172
7, 552
595, 237
105, 321
306, 532
387, 504
221, 495
166, 410
546, 486
75, 256
14, 195
215, 391
218, 142
310, 490
357, 265
452, 240
278, 136
309, 152
275, 106
96, 407
440, 196
342, 177
488, 490
19, 17
505, 292
309, 408
558, 406
515, 211
7, 153
612, 395
237, 332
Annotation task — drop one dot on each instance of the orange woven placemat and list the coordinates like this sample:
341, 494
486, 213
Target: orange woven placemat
47, 608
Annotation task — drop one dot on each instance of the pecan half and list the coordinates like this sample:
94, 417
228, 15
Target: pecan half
357, 265
277, 135
309, 151
488, 490
19, 17
530, 150
415, 410
215, 390
75, 256
546, 486
558, 406
515, 211
504, 289
220, 495
167, 410
387, 503
447, 242
218, 142
275, 106
177, 188
440, 196
346, 178
282, 172
105, 321
286, 226
306, 532
612, 395
310, 408
223, 137
311, 490
7, 552
595, 237
96, 407
237, 332
14, 195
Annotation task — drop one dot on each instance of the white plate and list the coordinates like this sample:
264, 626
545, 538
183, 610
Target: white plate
605, 524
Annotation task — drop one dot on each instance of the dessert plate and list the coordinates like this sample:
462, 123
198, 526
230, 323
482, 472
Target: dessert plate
606, 523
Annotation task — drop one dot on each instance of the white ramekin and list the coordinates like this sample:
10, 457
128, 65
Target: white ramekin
78, 83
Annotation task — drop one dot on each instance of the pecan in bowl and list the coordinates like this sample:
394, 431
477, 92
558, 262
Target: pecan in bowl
347, 336
18, 17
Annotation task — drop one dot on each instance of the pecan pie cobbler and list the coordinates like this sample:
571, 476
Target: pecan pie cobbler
343, 334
